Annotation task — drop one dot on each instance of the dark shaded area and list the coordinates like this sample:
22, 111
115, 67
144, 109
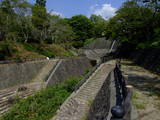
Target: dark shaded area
145, 83
93, 62
147, 58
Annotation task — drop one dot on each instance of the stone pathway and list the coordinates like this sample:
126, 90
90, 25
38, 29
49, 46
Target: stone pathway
77, 105
35, 85
146, 93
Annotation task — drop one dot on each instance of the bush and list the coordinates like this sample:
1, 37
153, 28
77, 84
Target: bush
6, 50
44, 104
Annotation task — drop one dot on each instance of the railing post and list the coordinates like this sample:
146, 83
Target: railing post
117, 113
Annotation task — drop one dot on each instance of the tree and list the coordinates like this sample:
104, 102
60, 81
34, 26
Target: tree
39, 19
99, 25
41, 3
82, 27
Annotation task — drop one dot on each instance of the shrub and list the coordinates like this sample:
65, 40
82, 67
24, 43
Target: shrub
44, 104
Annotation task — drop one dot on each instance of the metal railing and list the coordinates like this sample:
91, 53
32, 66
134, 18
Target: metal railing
118, 111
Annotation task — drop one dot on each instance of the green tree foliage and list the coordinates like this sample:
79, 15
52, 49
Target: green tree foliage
23, 22
82, 26
99, 25
41, 3
135, 23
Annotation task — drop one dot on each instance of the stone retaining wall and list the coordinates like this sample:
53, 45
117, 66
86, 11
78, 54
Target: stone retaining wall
101, 105
13, 74
67, 68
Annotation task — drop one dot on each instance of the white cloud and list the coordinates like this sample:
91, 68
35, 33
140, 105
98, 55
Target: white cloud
56, 13
105, 10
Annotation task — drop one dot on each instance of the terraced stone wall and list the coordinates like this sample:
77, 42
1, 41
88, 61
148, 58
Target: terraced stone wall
13, 74
67, 68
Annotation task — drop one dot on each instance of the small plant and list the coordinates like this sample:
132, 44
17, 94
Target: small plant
87, 71
68, 54
87, 41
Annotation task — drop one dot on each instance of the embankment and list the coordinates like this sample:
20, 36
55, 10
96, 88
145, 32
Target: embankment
67, 68
13, 74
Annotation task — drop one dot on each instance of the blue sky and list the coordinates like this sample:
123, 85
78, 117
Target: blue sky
69, 8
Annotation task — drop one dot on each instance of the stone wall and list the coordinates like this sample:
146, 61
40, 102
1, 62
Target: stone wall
67, 68
13, 74
101, 105
100, 43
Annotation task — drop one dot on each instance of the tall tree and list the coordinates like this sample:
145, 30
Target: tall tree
134, 23
39, 19
82, 26
99, 25
41, 3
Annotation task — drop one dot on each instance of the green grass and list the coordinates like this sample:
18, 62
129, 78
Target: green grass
38, 49
44, 104
139, 106
138, 101
68, 54
87, 41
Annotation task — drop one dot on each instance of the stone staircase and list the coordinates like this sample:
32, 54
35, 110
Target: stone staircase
77, 105
9, 95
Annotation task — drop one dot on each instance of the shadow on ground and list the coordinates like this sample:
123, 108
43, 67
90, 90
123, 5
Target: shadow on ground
142, 79
145, 83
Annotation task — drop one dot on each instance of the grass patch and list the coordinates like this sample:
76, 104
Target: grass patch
139, 106
68, 54
44, 104
90, 102
41, 50
88, 41
138, 101
18, 50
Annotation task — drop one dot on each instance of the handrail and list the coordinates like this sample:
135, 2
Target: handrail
118, 111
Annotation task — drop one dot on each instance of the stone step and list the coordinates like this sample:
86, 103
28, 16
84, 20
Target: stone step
4, 105
4, 108
4, 111
3, 99
7, 91
7, 94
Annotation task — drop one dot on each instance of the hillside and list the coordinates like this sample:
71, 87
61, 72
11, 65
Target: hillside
10, 51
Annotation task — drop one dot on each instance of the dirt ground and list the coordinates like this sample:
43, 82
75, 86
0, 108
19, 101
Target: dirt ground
146, 91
